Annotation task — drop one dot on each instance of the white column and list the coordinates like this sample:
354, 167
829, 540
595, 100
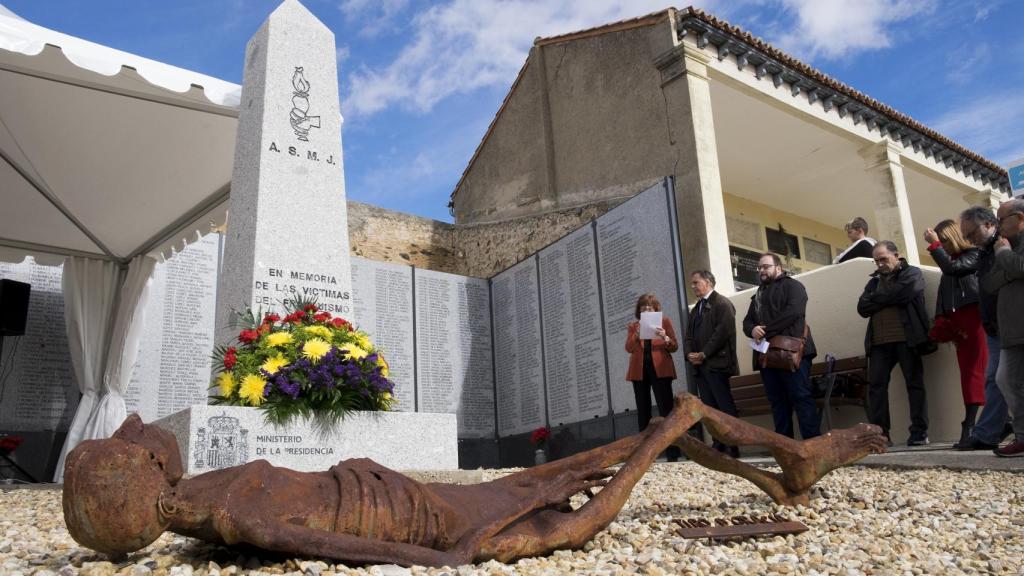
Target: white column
889, 199
698, 183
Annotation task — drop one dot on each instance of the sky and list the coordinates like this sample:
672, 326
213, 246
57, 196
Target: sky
421, 80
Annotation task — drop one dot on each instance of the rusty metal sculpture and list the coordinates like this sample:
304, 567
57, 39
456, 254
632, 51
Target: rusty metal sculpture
121, 493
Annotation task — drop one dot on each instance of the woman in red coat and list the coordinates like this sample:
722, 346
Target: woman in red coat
650, 365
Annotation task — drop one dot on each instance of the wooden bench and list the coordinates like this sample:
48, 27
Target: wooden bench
848, 376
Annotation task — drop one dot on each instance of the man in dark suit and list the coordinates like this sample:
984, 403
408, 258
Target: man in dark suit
711, 347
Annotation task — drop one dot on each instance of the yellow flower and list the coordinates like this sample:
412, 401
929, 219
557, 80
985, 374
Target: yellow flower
383, 365
362, 340
321, 331
272, 365
226, 381
354, 352
252, 389
278, 338
315, 349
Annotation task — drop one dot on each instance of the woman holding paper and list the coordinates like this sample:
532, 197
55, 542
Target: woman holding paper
650, 341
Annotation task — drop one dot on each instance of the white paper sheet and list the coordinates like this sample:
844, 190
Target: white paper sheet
648, 322
761, 346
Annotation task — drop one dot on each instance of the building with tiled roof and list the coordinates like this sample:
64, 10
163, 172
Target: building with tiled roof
766, 152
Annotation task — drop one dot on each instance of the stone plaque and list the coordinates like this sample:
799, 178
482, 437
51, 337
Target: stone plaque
454, 367
518, 363
574, 354
635, 252
37, 387
288, 229
214, 437
382, 307
173, 368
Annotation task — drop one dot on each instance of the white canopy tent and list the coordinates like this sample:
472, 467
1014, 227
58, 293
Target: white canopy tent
107, 161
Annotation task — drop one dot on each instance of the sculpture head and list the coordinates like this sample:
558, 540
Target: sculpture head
113, 487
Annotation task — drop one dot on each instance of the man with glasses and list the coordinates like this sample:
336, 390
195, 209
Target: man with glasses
1007, 278
779, 307
893, 302
979, 225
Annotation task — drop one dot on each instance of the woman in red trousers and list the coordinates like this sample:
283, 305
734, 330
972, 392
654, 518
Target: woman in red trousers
651, 368
956, 314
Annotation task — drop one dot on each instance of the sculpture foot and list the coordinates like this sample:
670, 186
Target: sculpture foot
820, 455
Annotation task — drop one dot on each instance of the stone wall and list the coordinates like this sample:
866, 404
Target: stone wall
480, 250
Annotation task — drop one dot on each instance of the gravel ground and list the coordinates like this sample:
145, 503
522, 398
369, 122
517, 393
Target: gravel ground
861, 520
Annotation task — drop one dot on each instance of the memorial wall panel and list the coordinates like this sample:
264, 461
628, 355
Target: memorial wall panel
37, 387
173, 369
574, 354
636, 256
518, 360
383, 308
454, 366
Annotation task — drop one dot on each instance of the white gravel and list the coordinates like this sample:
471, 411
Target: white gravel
862, 521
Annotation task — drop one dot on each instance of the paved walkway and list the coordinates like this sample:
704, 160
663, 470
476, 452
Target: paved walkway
932, 456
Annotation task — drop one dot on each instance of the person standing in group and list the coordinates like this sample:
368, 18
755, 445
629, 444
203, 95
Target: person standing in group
860, 245
957, 318
779, 308
1007, 278
979, 225
711, 348
651, 368
893, 301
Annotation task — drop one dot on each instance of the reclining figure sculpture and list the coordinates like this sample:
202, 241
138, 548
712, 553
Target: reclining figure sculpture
122, 493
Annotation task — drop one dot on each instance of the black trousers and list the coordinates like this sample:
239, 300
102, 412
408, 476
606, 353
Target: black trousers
662, 388
714, 391
883, 359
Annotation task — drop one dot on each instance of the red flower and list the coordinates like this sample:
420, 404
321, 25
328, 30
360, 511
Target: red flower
295, 317
271, 318
248, 336
322, 317
310, 308
9, 443
230, 358
540, 435
341, 323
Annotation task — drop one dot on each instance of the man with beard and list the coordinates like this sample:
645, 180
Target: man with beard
893, 301
1007, 278
980, 227
779, 307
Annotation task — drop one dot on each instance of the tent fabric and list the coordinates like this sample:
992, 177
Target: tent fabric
90, 288
123, 349
105, 154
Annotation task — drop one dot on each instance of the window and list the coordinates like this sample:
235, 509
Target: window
783, 243
817, 252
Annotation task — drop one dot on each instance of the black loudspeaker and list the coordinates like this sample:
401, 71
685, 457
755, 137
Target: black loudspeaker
13, 307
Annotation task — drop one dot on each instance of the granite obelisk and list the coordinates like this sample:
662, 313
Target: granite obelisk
288, 222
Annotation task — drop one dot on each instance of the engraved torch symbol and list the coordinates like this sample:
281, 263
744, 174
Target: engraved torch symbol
300, 119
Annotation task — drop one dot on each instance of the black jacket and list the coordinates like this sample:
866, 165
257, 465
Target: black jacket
958, 286
862, 249
781, 307
906, 291
717, 335
989, 302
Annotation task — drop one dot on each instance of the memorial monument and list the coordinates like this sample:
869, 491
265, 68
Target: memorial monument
359, 511
288, 221
287, 241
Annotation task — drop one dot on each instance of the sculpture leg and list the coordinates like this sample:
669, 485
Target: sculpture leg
549, 530
803, 462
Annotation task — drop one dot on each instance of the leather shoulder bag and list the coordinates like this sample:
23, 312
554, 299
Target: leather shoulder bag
785, 352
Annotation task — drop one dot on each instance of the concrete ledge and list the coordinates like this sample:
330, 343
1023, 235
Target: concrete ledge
214, 437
